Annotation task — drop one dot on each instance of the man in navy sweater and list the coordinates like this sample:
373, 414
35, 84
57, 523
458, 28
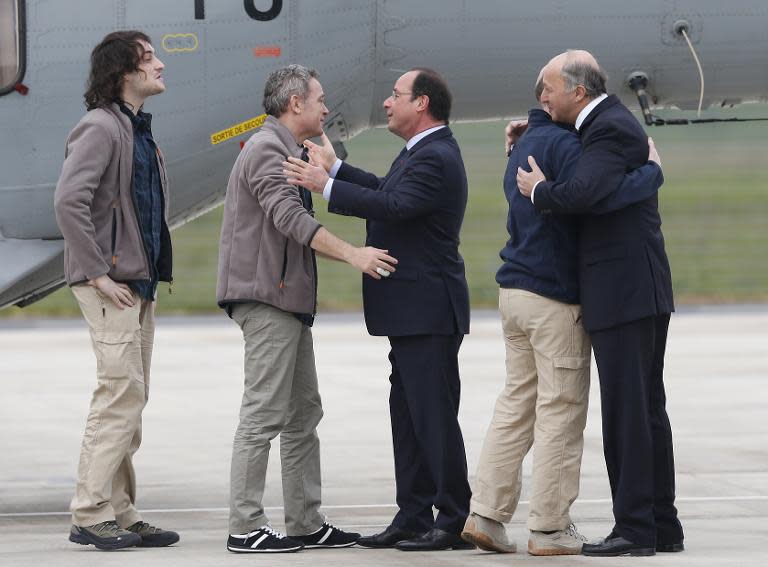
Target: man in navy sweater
548, 353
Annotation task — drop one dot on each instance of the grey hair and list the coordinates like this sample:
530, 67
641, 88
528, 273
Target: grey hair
282, 84
538, 89
592, 78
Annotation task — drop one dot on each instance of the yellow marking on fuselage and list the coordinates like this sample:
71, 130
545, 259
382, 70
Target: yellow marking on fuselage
180, 42
237, 129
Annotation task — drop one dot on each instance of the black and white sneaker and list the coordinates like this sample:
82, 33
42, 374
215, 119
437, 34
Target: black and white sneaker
262, 540
328, 536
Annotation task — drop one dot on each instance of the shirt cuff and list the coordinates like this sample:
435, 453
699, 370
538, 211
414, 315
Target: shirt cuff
533, 191
334, 169
327, 188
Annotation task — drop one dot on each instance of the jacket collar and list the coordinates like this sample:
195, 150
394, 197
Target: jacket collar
538, 116
272, 124
437, 135
141, 120
607, 103
122, 119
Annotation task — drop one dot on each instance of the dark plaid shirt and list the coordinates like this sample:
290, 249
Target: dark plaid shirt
147, 196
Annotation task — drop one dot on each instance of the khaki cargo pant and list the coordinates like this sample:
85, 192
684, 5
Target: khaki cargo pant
122, 342
544, 404
280, 397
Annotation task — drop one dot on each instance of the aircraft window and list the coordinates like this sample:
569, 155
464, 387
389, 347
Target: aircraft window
11, 44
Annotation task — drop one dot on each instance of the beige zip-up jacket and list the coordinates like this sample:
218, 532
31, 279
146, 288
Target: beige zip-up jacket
264, 252
94, 200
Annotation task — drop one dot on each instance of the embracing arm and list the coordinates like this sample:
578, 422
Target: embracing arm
325, 156
357, 176
416, 193
599, 171
367, 259
279, 199
282, 205
638, 185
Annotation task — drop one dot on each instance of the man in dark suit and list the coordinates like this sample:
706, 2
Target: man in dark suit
415, 212
626, 293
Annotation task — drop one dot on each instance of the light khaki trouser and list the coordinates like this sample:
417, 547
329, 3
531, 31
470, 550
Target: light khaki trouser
122, 342
280, 397
544, 404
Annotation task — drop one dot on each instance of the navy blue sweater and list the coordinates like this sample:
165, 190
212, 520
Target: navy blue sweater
540, 255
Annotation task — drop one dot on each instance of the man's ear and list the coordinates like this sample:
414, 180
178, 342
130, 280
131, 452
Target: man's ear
295, 104
581, 92
423, 103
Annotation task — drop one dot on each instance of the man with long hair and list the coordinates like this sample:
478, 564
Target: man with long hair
111, 205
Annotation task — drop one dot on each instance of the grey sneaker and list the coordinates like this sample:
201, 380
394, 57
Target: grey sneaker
152, 536
106, 536
563, 542
487, 534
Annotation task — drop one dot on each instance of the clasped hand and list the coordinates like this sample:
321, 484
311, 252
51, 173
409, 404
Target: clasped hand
313, 174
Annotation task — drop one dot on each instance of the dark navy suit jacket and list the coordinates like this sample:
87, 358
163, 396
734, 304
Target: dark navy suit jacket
415, 212
624, 270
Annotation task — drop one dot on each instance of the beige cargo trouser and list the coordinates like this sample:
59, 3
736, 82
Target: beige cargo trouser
122, 342
544, 404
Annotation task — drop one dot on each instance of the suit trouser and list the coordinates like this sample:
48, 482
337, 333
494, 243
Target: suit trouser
545, 398
637, 436
122, 342
430, 463
280, 396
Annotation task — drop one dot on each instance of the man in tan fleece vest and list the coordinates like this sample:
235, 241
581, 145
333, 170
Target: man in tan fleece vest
111, 205
268, 285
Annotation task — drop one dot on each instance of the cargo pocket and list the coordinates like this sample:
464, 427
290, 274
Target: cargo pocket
572, 378
118, 355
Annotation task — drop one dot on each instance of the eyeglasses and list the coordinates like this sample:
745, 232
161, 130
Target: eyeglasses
396, 95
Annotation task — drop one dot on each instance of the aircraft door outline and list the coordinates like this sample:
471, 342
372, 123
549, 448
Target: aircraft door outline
19, 25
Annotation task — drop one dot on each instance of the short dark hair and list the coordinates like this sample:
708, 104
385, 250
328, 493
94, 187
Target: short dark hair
118, 53
429, 82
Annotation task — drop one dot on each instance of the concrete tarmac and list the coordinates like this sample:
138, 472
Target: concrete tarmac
717, 387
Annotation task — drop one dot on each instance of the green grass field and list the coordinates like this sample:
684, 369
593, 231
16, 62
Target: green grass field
714, 207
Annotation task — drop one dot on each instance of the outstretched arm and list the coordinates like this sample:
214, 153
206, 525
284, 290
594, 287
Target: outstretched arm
371, 261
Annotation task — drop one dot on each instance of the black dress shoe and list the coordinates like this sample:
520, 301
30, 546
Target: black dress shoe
614, 546
434, 540
670, 547
387, 538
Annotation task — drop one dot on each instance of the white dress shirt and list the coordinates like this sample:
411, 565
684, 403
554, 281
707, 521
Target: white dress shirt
579, 121
587, 109
337, 164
